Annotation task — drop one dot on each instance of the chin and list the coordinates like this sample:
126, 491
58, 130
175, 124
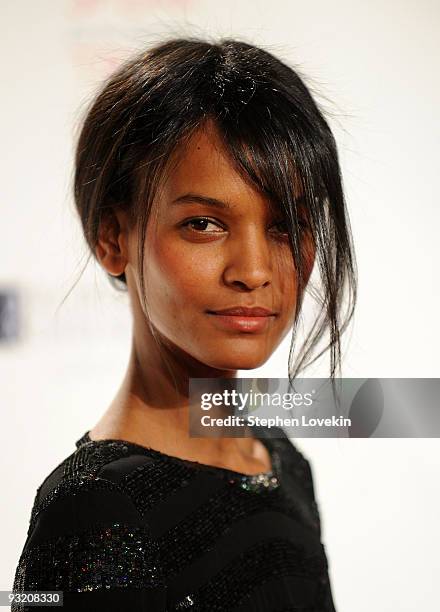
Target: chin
237, 353
241, 362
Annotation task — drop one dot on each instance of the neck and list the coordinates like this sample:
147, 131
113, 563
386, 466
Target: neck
151, 406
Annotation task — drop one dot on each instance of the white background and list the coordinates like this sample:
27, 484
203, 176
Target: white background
375, 67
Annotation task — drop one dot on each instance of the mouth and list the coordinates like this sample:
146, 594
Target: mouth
243, 319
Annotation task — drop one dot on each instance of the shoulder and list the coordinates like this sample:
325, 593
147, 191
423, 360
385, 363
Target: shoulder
94, 470
297, 463
86, 532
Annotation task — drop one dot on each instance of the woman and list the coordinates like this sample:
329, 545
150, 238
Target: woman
208, 185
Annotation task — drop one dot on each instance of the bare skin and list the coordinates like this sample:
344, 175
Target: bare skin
238, 256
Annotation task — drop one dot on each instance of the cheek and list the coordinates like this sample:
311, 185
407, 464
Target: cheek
177, 280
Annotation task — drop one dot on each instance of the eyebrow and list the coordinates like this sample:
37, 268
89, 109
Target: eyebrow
201, 199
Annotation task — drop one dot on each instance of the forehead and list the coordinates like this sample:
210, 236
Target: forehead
204, 165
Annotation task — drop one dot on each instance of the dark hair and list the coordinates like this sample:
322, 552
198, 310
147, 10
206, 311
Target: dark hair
275, 134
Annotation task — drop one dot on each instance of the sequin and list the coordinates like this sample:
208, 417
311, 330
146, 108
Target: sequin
235, 582
171, 539
213, 519
186, 603
96, 453
72, 486
151, 484
111, 556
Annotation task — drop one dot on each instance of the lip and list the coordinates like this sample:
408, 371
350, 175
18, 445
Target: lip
244, 311
243, 319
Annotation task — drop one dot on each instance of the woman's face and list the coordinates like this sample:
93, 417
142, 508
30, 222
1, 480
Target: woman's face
214, 244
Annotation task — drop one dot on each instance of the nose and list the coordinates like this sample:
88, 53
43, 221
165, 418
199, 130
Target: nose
248, 265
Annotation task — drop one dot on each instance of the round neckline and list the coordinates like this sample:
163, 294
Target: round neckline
261, 480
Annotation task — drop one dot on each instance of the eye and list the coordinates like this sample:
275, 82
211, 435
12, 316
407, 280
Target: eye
281, 227
200, 224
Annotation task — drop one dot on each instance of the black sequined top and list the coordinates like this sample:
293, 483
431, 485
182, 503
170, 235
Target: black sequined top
118, 526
